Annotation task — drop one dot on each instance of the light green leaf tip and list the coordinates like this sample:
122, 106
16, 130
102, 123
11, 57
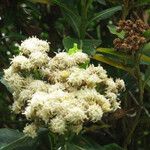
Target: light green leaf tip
73, 50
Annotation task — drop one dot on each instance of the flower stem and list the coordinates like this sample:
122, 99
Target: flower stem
141, 92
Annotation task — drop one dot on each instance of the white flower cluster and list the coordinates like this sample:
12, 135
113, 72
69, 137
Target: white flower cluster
57, 93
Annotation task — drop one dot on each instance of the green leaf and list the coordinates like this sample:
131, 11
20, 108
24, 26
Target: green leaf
113, 52
87, 46
105, 14
112, 146
116, 55
8, 135
111, 62
71, 17
145, 59
147, 34
74, 49
15, 140
146, 49
112, 29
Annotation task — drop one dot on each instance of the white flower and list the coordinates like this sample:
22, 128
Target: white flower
31, 130
111, 85
34, 44
36, 103
92, 80
8, 72
64, 96
75, 115
62, 61
38, 59
95, 112
120, 84
37, 85
15, 81
16, 107
25, 95
111, 96
21, 62
102, 74
58, 125
77, 76
80, 57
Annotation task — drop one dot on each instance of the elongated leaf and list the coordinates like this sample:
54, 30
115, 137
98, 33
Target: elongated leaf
113, 52
103, 59
8, 136
72, 18
120, 56
15, 140
145, 59
105, 14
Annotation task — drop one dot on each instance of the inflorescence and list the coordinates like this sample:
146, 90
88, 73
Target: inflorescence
58, 93
134, 38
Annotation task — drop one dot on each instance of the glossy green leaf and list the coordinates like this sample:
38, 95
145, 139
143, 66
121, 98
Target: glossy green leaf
145, 59
103, 59
116, 55
113, 52
105, 14
112, 29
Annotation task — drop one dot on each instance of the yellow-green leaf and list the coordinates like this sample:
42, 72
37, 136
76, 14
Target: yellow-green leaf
103, 59
145, 59
113, 52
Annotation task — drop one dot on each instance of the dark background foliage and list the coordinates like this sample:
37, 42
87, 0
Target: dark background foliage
62, 23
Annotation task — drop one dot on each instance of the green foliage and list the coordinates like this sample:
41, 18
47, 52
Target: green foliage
15, 140
79, 25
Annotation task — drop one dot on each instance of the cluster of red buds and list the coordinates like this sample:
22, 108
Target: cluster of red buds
133, 38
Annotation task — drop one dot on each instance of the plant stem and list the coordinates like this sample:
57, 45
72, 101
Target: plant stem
141, 92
